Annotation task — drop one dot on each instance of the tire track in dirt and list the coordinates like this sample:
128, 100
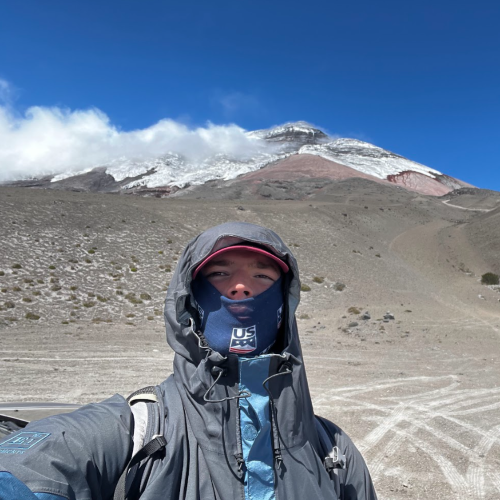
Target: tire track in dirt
417, 422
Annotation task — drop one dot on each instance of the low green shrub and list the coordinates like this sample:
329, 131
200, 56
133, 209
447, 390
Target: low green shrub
490, 279
132, 298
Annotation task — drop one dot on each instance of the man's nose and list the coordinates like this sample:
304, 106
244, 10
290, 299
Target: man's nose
239, 291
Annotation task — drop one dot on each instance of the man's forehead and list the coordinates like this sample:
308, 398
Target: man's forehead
233, 257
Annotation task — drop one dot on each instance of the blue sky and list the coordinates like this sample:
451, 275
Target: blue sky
421, 79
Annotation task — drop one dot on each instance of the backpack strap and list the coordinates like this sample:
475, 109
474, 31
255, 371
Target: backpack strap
334, 461
149, 427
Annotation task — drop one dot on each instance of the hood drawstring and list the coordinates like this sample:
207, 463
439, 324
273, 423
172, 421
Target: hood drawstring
202, 343
241, 395
285, 369
220, 372
239, 452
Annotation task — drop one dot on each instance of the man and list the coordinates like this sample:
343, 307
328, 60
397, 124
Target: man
236, 414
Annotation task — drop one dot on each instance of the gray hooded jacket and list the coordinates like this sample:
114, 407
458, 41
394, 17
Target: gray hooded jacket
86, 451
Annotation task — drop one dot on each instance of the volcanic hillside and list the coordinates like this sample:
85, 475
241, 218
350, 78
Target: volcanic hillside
71, 258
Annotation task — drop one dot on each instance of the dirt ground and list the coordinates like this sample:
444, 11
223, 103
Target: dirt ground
419, 395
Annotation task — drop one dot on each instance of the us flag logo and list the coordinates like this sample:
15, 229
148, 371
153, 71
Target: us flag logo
243, 340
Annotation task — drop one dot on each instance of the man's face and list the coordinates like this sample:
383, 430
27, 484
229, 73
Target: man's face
240, 274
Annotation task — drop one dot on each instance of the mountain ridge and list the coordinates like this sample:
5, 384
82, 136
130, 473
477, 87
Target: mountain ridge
173, 172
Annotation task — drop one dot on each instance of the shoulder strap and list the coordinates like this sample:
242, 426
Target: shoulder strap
152, 420
334, 460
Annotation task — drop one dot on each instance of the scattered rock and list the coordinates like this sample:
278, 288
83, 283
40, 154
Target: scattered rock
388, 315
338, 287
353, 324
366, 316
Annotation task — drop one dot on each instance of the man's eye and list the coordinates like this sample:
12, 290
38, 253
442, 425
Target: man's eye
216, 273
265, 276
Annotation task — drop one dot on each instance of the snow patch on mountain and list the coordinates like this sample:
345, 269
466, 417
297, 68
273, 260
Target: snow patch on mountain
367, 158
177, 171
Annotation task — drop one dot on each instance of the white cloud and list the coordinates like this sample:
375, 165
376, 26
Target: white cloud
46, 141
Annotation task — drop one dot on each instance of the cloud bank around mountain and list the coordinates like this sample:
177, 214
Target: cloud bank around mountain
52, 140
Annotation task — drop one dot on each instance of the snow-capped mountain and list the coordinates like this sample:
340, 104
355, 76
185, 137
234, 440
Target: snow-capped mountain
173, 171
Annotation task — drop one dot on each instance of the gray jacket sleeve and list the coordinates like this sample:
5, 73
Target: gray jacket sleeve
355, 480
78, 455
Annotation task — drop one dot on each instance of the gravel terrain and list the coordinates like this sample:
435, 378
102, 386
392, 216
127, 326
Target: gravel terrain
83, 279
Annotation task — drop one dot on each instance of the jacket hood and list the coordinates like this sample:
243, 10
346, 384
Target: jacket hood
209, 383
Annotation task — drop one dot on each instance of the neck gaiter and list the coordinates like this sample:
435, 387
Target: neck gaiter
243, 327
